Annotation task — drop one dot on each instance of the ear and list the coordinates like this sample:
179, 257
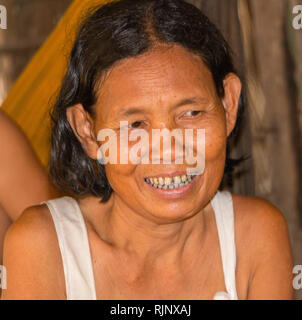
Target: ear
232, 90
82, 125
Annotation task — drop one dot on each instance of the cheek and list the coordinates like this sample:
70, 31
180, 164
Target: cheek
215, 146
120, 176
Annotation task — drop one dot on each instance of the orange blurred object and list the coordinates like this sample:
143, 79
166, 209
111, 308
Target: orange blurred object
30, 100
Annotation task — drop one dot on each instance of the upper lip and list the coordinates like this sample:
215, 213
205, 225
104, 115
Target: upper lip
168, 174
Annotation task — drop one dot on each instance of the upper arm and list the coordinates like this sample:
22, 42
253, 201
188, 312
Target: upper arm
34, 269
272, 275
23, 180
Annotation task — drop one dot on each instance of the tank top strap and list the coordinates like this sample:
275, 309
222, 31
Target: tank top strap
74, 247
222, 204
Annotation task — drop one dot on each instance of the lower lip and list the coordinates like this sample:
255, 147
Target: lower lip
174, 193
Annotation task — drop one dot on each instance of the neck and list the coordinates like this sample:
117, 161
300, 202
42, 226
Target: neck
153, 243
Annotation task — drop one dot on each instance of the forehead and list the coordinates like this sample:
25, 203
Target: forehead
161, 76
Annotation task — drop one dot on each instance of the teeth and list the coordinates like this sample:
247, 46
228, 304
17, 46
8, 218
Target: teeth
169, 182
177, 180
161, 181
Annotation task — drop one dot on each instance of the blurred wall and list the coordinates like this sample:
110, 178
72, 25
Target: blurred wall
273, 63
29, 24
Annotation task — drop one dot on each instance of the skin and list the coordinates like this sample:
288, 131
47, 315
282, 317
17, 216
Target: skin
153, 238
20, 172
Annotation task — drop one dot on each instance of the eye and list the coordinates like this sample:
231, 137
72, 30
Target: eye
192, 113
135, 124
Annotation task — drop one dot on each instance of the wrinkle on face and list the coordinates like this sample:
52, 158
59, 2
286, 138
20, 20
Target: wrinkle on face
154, 83
156, 79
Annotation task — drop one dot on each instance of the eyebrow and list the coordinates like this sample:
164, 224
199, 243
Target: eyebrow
193, 100
187, 101
131, 111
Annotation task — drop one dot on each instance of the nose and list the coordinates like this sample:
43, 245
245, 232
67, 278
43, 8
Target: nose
166, 145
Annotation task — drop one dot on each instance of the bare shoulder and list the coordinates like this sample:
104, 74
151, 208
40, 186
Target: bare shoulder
34, 229
31, 222
32, 257
257, 211
263, 243
258, 218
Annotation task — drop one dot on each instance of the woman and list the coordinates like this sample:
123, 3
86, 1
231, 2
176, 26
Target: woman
147, 231
23, 181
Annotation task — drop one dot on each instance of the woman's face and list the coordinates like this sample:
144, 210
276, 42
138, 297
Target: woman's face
173, 89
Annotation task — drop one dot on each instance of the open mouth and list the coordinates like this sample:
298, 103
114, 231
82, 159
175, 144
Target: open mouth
170, 182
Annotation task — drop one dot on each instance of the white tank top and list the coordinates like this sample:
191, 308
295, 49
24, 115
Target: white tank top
75, 251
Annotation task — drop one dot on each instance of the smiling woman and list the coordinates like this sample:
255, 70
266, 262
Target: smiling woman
136, 230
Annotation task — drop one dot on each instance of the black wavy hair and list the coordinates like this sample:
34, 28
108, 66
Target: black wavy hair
115, 31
